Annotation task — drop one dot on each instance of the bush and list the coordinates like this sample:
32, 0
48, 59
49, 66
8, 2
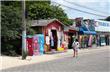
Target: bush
11, 47
11, 28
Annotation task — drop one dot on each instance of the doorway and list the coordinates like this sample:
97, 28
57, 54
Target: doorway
55, 39
70, 39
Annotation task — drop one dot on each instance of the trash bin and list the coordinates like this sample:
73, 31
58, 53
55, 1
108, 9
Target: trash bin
35, 45
41, 43
29, 45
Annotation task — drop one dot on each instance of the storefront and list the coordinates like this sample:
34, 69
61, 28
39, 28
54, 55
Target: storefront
53, 33
103, 32
70, 34
87, 34
87, 38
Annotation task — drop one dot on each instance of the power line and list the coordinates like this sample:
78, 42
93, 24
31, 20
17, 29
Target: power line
81, 10
84, 6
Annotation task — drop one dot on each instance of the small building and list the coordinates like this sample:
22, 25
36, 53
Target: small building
52, 30
103, 32
70, 33
87, 33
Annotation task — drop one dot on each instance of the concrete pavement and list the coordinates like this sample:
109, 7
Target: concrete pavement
8, 62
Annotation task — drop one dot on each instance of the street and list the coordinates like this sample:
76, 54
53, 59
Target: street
97, 61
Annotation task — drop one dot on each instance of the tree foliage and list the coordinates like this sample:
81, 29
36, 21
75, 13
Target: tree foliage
38, 10
108, 18
10, 22
11, 27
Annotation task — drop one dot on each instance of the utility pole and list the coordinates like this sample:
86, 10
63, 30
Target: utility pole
24, 48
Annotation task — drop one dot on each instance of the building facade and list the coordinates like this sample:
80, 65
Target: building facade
103, 32
53, 33
86, 34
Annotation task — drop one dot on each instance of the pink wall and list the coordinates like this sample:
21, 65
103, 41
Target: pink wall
55, 25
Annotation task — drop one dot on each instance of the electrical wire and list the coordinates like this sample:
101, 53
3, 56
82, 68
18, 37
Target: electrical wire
80, 10
84, 7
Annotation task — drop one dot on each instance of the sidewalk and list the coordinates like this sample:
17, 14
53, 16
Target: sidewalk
8, 62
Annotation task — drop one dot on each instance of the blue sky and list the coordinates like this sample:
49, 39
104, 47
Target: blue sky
97, 7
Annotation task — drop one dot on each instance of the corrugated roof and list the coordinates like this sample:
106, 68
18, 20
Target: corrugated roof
46, 22
43, 22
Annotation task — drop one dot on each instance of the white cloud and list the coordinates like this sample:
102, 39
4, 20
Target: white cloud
84, 1
100, 5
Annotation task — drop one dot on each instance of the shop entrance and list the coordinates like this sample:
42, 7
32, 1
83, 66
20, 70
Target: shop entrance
55, 39
71, 38
107, 39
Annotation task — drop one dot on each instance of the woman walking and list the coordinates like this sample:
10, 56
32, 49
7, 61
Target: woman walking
75, 46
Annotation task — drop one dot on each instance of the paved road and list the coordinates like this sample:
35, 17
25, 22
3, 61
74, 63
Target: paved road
97, 61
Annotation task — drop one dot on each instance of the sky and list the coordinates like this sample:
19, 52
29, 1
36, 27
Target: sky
97, 9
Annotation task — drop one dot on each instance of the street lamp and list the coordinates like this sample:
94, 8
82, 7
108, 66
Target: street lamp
24, 49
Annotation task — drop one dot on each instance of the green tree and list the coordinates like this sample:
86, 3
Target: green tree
11, 27
38, 10
108, 18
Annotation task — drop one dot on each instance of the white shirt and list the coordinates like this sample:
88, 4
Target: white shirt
47, 40
75, 44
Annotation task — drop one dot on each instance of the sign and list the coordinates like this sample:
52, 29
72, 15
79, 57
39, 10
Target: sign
88, 25
102, 26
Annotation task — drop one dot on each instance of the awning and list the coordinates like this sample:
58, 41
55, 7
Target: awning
72, 31
88, 32
82, 31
